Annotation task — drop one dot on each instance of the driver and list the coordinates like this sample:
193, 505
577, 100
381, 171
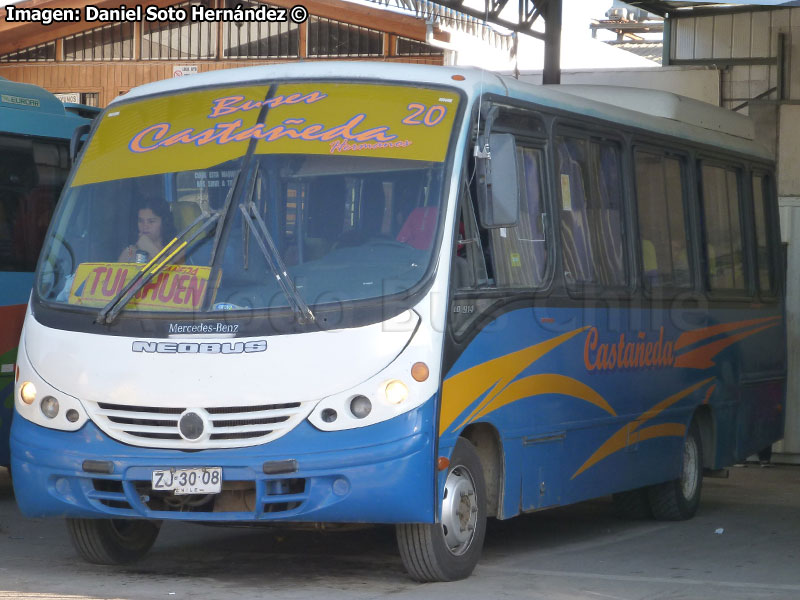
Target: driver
154, 230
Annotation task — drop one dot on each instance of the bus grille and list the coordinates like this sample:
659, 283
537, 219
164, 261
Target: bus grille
227, 427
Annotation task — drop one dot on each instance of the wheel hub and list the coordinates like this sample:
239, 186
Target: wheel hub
691, 462
459, 510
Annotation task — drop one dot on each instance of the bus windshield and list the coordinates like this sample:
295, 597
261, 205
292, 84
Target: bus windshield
341, 185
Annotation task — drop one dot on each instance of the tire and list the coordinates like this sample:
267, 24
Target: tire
678, 500
633, 504
112, 541
449, 550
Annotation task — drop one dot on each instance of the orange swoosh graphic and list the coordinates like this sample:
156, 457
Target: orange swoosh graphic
544, 384
709, 391
662, 430
619, 440
701, 358
459, 391
690, 337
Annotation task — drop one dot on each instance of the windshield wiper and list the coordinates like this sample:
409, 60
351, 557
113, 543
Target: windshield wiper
110, 311
274, 260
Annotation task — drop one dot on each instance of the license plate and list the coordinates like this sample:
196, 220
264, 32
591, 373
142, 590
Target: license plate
204, 480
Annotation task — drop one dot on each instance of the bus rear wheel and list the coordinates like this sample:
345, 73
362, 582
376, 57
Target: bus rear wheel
112, 541
679, 499
450, 549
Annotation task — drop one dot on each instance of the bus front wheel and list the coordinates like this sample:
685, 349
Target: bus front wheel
679, 499
450, 549
112, 541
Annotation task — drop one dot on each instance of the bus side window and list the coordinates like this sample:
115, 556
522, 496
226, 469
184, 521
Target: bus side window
662, 224
574, 227
592, 230
519, 253
469, 266
722, 228
608, 234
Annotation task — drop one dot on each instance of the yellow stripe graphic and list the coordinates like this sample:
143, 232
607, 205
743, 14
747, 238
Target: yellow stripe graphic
621, 438
461, 390
545, 384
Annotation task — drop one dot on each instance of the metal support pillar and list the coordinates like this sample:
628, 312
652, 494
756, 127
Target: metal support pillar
552, 43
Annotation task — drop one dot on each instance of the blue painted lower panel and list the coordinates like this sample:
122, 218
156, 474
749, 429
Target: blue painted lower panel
377, 474
592, 402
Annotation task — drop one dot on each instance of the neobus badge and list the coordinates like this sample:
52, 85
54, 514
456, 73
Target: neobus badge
199, 347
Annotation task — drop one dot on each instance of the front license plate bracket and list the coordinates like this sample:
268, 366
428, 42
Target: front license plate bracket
182, 482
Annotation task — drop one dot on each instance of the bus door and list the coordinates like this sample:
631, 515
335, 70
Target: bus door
493, 380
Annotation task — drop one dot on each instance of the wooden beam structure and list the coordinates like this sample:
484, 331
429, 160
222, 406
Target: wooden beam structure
17, 35
104, 79
501, 13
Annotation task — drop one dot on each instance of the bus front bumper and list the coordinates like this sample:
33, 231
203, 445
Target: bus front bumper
355, 479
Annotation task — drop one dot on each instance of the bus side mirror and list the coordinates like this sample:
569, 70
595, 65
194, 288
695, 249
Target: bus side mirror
498, 189
75, 142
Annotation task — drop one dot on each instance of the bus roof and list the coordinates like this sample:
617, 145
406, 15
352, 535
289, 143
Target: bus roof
30, 110
669, 105
659, 112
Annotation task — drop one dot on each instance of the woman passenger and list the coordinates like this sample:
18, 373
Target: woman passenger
154, 229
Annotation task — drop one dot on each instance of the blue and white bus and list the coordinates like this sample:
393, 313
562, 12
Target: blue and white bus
416, 295
35, 132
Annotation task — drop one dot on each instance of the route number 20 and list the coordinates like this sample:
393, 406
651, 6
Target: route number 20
422, 115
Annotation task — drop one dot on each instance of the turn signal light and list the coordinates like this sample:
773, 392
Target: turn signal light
420, 371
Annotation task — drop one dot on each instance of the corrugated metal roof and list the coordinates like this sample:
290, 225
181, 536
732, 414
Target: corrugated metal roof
660, 7
649, 50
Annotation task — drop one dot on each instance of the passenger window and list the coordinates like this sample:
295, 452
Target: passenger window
662, 223
722, 228
590, 190
519, 253
764, 262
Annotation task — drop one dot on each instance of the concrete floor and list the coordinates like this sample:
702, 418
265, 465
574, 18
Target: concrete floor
578, 552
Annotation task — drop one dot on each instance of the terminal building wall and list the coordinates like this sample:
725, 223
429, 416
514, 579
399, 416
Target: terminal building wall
757, 52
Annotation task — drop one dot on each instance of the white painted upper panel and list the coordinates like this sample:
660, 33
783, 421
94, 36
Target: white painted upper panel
475, 82
669, 106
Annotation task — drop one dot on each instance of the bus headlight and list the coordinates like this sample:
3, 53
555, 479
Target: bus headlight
387, 394
396, 392
39, 402
360, 406
49, 407
27, 392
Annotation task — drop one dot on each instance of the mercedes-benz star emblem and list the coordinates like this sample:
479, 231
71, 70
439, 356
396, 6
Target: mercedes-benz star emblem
191, 425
